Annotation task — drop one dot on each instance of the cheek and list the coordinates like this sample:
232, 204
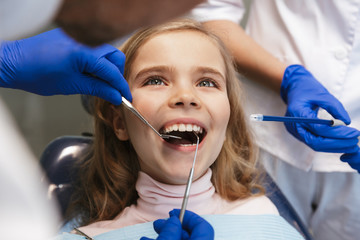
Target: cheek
136, 129
222, 118
141, 136
146, 102
221, 113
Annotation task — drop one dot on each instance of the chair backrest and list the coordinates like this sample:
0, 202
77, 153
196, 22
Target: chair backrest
58, 161
60, 155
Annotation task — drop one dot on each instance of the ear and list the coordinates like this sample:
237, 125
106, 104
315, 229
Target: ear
119, 124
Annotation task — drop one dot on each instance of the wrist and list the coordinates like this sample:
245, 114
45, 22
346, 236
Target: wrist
4, 68
288, 79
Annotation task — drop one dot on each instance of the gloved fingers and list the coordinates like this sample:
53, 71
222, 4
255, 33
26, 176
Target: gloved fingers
7, 67
168, 229
353, 159
333, 106
103, 50
111, 53
336, 132
185, 235
53, 34
109, 73
299, 87
319, 143
161, 223
332, 146
118, 59
355, 166
341, 132
96, 87
350, 149
309, 109
196, 226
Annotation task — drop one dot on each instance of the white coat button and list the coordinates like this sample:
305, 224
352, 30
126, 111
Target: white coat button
340, 53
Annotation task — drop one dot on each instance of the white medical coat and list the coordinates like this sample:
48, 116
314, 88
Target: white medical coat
20, 18
24, 211
322, 35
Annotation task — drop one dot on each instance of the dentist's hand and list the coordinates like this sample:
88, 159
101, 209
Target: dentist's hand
53, 63
194, 227
304, 96
353, 159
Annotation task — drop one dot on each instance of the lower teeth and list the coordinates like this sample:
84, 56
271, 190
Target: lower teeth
187, 145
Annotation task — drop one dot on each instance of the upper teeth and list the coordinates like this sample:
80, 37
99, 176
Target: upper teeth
183, 128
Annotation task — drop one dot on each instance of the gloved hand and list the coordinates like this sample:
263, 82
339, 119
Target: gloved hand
353, 159
53, 63
304, 96
194, 227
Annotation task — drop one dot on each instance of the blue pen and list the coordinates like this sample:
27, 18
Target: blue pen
261, 117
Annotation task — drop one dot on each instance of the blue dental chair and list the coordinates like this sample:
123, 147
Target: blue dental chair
58, 160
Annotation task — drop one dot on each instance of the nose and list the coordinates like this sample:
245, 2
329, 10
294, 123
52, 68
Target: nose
184, 97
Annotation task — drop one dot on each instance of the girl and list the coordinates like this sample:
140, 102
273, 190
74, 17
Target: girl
183, 81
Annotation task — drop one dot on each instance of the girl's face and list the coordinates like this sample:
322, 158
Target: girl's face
178, 83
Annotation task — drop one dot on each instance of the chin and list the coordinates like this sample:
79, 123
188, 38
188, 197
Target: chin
177, 178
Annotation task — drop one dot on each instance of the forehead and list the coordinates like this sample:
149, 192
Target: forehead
188, 47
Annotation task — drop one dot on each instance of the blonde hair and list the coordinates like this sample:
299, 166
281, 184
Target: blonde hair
107, 181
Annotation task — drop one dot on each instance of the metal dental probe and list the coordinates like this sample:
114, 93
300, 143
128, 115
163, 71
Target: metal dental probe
129, 106
188, 185
83, 234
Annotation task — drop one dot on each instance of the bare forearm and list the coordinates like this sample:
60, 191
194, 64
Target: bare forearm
251, 59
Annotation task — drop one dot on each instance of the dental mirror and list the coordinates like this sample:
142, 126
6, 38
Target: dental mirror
129, 106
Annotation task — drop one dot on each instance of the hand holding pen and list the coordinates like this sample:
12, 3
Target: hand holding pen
352, 158
304, 96
345, 142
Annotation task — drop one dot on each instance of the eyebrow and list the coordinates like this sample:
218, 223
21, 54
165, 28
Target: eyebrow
163, 68
156, 69
211, 71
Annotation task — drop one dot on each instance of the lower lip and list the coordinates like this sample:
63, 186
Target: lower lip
184, 148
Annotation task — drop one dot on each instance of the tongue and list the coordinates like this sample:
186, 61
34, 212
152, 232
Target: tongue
178, 141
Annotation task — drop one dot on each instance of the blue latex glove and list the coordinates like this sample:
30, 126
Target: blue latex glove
304, 95
53, 63
353, 159
194, 227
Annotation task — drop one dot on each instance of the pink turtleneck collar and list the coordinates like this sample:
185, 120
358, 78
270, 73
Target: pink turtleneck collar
157, 199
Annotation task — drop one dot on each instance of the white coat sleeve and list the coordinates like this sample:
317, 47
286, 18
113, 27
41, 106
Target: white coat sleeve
25, 211
232, 10
21, 18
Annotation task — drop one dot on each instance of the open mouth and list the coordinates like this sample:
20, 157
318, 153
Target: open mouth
186, 132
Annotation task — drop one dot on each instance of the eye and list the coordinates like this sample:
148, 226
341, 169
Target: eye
206, 83
154, 80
